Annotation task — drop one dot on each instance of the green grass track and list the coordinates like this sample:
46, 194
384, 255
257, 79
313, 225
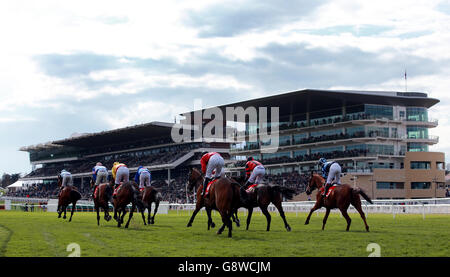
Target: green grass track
42, 234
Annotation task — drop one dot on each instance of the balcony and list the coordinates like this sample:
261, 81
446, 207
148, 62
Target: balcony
430, 140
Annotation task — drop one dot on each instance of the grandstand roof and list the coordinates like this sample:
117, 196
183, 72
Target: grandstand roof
150, 130
301, 101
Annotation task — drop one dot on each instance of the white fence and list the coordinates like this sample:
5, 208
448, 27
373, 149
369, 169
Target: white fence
394, 207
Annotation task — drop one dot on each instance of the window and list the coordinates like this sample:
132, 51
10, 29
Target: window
416, 114
439, 165
390, 185
417, 147
417, 132
420, 165
379, 111
420, 185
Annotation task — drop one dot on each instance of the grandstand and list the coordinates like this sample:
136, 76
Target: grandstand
148, 144
380, 138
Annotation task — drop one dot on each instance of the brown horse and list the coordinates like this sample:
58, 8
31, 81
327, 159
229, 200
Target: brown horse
68, 195
262, 196
127, 193
102, 195
221, 197
341, 197
150, 195
200, 203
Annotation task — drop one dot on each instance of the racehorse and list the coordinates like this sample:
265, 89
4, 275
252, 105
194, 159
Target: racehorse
150, 195
262, 196
200, 203
127, 193
102, 195
222, 197
340, 197
68, 195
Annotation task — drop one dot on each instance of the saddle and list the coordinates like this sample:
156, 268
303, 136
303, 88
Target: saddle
117, 189
251, 188
330, 189
95, 195
209, 185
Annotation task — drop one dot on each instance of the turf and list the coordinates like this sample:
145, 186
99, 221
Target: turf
42, 234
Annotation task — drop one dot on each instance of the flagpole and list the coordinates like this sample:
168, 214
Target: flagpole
406, 82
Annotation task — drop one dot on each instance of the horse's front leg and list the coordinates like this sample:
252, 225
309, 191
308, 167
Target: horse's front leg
316, 207
198, 207
131, 215
210, 221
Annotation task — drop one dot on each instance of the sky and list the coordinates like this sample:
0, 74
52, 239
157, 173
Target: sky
88, 66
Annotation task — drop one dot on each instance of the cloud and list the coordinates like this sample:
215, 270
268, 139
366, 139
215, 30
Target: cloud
230, 19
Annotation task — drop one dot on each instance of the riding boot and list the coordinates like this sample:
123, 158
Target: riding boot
115, 187
205, 184
325, 190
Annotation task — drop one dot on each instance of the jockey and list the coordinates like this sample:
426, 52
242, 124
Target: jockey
99, 173
331, 171
67, 180
255, 171
66, 177
143, 177
120, 173
211, 161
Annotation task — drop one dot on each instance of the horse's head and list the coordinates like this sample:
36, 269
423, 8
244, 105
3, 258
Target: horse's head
195, 176
315, 182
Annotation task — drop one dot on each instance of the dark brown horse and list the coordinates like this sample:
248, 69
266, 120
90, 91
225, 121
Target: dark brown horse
150, 195
68, 195
262, 196
102, 195
127, 193
340, 197
221, 197
200, 203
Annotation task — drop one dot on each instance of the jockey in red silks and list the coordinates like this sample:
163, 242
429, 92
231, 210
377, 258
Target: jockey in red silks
255, 172
211, 161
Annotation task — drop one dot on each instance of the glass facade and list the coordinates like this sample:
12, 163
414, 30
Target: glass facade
327, 149
384, 149
416, 114
378, 131
326, 133
417, 147
298, 137
355, 131
284, 140
379, 111
417, 132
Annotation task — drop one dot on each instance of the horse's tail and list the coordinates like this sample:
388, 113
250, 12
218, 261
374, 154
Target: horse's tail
158, 196
363, 194
75, 195
288, 193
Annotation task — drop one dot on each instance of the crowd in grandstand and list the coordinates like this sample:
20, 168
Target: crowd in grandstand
175, 192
